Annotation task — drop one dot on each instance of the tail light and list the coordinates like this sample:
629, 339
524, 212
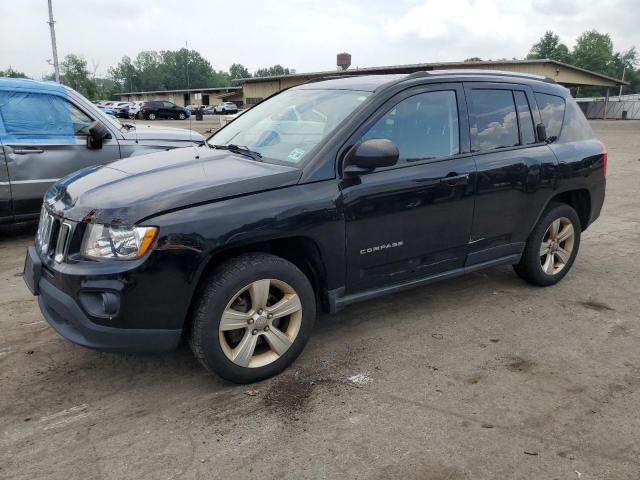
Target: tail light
604, 159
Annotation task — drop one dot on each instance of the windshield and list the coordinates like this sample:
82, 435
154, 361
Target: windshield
289, 125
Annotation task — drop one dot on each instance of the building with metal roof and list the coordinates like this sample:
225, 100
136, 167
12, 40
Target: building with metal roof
257, 88
188, 96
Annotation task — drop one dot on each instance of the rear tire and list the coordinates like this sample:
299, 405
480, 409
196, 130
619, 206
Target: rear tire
252, 317
151, 116
552, 246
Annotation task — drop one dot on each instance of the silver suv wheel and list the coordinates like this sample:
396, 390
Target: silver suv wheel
260, 323
557, 246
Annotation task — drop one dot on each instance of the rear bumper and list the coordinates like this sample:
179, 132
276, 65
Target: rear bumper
68, 319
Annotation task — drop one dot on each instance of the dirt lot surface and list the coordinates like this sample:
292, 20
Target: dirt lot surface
482, 377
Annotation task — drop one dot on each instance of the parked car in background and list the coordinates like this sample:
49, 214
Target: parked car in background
377, 184
118, 105
48, 131
209, 110
163, 109
134, 109
108, 111
226, 107
193, 108
123, 112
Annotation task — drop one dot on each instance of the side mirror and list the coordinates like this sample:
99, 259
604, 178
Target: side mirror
371, 154
97, 133
541, 131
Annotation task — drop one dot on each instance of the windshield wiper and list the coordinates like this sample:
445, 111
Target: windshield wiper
257, 156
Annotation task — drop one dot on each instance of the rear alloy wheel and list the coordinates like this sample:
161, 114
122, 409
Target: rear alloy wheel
552, 246
252, 317
557, 246
151, 116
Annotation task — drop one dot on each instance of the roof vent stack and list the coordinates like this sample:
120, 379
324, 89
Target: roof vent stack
344, 61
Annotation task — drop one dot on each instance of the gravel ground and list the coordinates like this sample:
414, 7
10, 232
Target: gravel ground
482, 377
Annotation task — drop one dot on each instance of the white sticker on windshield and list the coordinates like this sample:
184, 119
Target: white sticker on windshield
296, 154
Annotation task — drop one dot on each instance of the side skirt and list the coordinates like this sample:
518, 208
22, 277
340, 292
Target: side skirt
338, 300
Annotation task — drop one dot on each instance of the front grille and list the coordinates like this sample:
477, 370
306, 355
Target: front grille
53, 236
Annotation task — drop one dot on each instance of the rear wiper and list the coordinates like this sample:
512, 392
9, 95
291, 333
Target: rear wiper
257, 156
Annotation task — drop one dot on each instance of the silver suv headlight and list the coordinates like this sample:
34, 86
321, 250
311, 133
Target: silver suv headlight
116, 242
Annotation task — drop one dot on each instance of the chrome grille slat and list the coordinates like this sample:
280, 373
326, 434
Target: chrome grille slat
62, 242
53, 236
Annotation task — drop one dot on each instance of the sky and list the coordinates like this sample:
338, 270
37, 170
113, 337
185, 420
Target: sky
304, 35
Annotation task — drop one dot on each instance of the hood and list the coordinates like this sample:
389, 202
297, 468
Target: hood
133, 189
149, 132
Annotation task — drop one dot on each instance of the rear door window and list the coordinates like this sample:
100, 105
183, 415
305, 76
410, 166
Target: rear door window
552, 112
496, 125
527, 133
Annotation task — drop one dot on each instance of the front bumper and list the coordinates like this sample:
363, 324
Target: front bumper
68, 319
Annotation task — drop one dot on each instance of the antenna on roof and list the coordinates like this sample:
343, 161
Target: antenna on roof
135, 124
186, 44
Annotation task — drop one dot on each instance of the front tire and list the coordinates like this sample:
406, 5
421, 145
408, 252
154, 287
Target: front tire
552, 246
252, 317
181, 116
151, 116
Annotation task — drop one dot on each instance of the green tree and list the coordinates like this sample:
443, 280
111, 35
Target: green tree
472, 59
74, 73
237, 71
549, 46
624, 65
167, 70
594, 51
125, 74
271, 71
11, 73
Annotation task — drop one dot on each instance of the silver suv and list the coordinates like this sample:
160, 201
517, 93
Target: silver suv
48, 131
226, 107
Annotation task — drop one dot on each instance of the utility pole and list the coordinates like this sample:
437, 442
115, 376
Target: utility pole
56, 67
620, 92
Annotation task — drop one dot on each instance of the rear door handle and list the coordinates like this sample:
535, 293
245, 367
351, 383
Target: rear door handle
453, 179
27, 150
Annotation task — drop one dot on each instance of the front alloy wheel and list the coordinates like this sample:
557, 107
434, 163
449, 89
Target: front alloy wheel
260, 323
252, 317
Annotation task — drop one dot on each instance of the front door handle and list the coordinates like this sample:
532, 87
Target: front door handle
27, 150
454, 180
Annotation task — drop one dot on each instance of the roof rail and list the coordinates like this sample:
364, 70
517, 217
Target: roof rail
328, 77
495, 73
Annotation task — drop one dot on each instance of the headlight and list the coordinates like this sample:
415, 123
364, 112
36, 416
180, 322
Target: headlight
116, 242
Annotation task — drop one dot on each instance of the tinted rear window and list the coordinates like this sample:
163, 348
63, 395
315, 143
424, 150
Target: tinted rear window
576, 127
552, 111
496, 123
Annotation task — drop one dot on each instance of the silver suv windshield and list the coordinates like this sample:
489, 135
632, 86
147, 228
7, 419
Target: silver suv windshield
285, 128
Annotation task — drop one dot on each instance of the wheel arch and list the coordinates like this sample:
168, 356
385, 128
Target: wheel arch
302, 251
579, 199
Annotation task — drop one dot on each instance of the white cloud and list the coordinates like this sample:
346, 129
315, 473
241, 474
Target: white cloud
303, 34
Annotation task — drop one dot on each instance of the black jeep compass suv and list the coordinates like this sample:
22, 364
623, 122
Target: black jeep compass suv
325, 194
